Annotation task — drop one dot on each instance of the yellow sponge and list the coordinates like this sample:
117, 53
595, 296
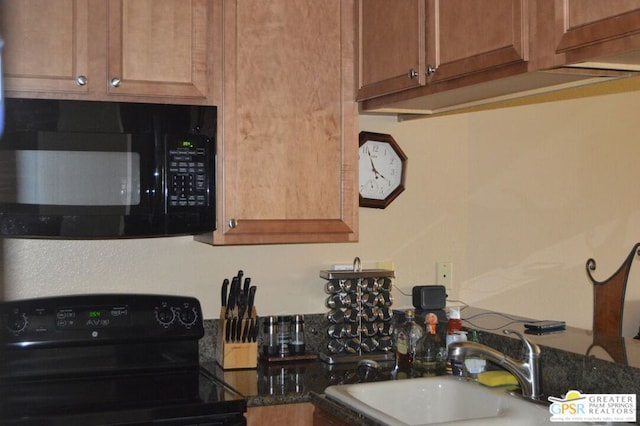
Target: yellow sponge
497, 378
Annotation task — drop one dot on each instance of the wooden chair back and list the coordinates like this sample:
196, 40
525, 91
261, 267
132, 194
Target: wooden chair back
608, 297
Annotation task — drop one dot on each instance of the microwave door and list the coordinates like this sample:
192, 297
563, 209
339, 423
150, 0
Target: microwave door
100, 190
55, 179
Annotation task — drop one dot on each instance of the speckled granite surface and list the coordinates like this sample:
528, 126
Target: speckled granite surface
568, 359
315, 328
285, 383
562, 371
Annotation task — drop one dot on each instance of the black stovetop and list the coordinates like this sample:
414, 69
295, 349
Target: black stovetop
117, 399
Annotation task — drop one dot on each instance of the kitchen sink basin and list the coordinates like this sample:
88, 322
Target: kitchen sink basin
434, 400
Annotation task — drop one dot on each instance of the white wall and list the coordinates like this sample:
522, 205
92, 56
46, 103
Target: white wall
517, 199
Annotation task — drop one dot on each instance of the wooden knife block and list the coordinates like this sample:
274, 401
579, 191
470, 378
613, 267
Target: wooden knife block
233, 355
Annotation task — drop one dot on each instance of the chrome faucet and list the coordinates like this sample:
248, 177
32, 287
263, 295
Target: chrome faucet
527, 370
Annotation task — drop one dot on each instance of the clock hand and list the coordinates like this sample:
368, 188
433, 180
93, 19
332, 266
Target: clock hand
373, 167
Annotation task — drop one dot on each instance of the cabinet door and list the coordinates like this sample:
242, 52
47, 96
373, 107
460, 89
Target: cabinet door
391, 51
325, 418
465, 37
587, 29
45, 46
158, 47
281, 415
288, 145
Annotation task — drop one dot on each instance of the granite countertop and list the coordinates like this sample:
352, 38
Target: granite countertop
291, 383
284, 383
567, 363
625, 351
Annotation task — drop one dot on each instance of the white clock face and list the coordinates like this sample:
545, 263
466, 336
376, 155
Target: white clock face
380, 170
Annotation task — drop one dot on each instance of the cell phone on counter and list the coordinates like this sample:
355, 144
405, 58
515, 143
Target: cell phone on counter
543, 327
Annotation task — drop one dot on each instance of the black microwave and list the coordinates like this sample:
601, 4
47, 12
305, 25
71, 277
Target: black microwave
87, 169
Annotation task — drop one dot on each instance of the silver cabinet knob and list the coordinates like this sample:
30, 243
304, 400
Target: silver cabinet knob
233, 223
115, 82
430, 70
413, 74
81, 80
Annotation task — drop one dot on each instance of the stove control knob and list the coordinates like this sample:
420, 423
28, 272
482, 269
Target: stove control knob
165, 316
17, 322
188, 316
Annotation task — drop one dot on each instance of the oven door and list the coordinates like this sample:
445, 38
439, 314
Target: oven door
79, 184
169, 398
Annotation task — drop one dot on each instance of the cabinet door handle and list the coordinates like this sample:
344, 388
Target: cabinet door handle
413, 74
233, 223
81, 80
115, 82
430, 70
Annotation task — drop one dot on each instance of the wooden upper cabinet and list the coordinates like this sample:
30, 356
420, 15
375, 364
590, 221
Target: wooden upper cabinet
46, 45
391, 53
106, 49
288, 137
466, 37
587, 29
158, 47
440, 40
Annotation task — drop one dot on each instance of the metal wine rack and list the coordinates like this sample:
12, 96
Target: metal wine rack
359, 320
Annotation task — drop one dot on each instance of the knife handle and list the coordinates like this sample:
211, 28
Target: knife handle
251, 299
245, 330
233, 296
245, 288
224, 291
227, 331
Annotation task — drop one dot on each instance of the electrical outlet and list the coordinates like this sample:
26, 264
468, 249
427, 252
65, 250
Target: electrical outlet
444, 274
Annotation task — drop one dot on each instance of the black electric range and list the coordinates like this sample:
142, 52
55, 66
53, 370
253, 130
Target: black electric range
109, 359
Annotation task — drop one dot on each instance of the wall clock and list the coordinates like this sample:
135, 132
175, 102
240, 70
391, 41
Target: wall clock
382, 169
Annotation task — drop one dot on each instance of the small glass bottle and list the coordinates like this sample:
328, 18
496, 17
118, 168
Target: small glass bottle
340, 315
406, 337
339, 300
385, 285
369, 300
284, 335
474, 365
296, 346
335, 346
454, 334
454, 324
454, 367
385, 313
369, 314
431, 354
270, 345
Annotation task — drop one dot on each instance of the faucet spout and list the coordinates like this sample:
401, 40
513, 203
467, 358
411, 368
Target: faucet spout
526, 370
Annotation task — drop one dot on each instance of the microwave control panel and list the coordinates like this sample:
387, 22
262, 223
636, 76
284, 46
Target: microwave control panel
188, 173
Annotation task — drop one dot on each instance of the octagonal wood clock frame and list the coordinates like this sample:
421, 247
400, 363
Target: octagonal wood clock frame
382, 169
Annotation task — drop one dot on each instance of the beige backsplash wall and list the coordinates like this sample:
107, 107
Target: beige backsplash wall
517, 199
